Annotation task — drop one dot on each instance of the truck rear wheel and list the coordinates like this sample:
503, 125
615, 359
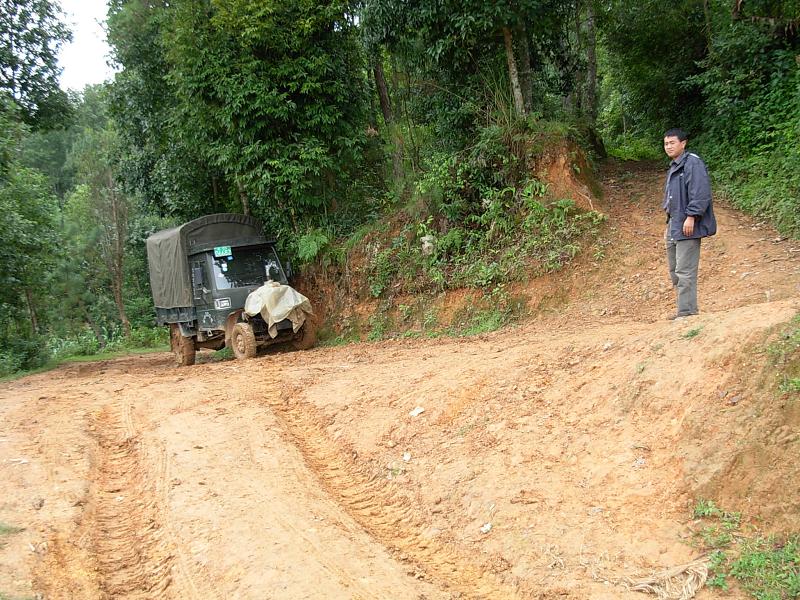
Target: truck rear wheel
182, 347
307, 336
243, 341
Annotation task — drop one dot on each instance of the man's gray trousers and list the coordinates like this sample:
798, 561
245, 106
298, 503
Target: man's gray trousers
683, 257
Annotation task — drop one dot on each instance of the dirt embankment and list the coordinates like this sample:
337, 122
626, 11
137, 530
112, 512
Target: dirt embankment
551, 460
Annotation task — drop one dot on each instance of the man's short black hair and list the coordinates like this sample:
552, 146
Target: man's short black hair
678, 133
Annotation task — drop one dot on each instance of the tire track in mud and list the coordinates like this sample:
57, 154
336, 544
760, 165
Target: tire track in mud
122, 517
193, 582
378, 507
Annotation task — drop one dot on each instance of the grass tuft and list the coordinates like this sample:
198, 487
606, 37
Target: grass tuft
6, 529
784, 357
768, 568
692, 333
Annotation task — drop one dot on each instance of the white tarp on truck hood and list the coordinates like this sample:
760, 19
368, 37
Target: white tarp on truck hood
276, 302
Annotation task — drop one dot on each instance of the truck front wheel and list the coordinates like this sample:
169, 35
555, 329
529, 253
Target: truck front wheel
243, 341
182, 347
307, 336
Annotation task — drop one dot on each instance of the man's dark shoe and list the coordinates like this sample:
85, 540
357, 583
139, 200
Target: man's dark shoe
680, 316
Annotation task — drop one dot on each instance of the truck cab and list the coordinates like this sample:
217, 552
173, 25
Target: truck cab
223, 278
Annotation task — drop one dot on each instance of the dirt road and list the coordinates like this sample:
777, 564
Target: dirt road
552, 460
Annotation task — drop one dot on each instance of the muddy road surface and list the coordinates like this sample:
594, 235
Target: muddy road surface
557, 459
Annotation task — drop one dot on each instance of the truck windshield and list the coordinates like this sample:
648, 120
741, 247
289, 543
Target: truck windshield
247, 267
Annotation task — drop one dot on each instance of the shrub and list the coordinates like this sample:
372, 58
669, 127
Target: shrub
23, 354
82, 344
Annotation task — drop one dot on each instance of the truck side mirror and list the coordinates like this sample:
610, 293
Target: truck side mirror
288, 269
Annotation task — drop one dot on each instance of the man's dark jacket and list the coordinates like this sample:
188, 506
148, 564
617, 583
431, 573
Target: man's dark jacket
687, 193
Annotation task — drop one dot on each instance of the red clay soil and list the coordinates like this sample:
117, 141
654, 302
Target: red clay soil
552, 460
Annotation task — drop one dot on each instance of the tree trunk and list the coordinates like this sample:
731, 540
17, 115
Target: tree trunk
513, 74
32, 311
119, 223
591, 65
243, 197
383, 92
116, 289
388, 119
590, 87
414, 156
736, 12
575, 99
526, 72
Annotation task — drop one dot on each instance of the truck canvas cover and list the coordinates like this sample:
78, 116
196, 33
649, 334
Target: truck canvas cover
168, 252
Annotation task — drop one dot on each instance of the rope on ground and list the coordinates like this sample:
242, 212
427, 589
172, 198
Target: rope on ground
677, 583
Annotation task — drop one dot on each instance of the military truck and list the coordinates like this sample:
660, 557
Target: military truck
202, 272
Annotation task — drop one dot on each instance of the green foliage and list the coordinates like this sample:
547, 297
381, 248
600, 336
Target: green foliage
29, 243
751, 84
706, 508
486, 322
692, 333
329, 339
487, 222
650, 51
628, 147
140, 337
453, 61
28, 232
381, 272
46, 152
380, 323
223, 354
6, 529
718, 578
23, 353
284, 126
490, 313
724, 525
31, 32
790, 385
728, 77
86, 343
310, 244
74, 248
12, 134
98, 212
784, 357
767, 567
158, 160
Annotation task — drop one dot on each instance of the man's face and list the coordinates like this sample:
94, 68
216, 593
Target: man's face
673, 146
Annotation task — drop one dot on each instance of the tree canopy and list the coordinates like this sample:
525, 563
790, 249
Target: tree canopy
31, 31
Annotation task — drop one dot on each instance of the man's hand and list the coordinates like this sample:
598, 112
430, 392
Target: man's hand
688, 226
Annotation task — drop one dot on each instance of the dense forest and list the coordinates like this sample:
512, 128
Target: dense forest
323, 117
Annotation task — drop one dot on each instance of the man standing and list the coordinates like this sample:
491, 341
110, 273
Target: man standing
690, 217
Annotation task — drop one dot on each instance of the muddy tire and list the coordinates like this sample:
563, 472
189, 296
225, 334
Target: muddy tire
243, 341
182, 347
307, 336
